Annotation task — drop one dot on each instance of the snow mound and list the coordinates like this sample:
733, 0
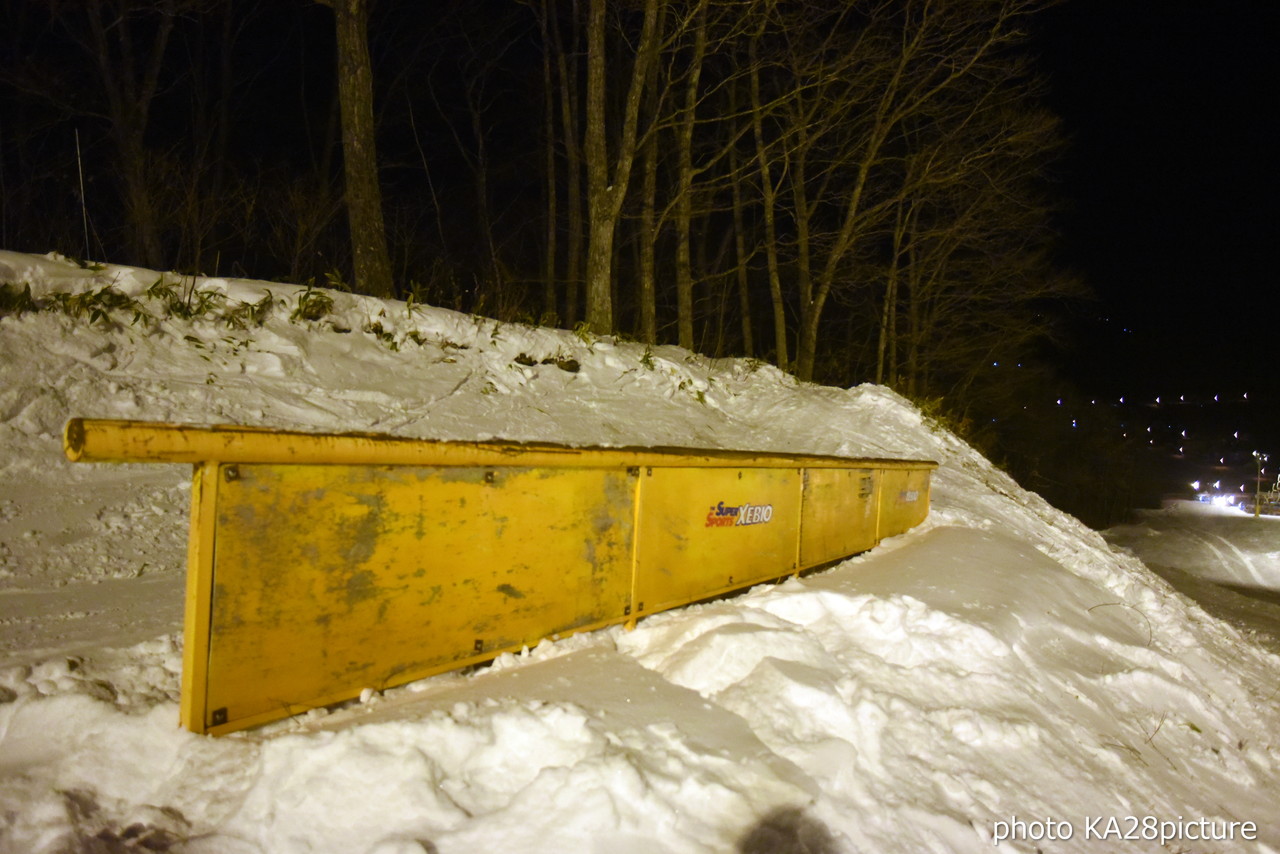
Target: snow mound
1000, 662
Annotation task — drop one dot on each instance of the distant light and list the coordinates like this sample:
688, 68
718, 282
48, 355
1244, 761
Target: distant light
1195, 484
995, 364
1122, 400
1217, 484
1182, 398
1073, 422
1236, 434
1184, 434
1215, 398
1157, 399
1059, 401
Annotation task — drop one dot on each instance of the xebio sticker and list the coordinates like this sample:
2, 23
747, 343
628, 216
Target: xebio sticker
723, 515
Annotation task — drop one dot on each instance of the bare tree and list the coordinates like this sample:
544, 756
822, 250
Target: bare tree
370, 258
648, 225
692, 113
974, 240
684, 176
125, 43
475, 80
571, 123
608, 175
863, 73
742, 257
550, 257
213, 198
766, 158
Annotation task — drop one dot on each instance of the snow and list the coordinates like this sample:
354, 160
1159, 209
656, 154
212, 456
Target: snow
1000, 664
1222, 544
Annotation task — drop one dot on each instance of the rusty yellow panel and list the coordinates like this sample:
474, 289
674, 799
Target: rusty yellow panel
195, 631
322, 564
838, 518
904, 500
701, 532
332, 579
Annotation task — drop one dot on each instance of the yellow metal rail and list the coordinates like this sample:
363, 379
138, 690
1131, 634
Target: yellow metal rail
90, 440
320, 565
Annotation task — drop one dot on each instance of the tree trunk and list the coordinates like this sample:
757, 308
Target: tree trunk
647, 226
484, 217
549, 152
139, 210
573, 166
359, 151
607, 178
769, 204
913, 318
888, 314
684, 187
646, 243
599, 190
740, 251
807, 346
810, 298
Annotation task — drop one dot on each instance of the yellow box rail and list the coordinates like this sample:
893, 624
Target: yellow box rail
323, 564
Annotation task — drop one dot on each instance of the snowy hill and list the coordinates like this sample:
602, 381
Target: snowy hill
1000, 664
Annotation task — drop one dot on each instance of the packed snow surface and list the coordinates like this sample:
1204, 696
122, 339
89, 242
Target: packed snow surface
999, 677
1221, 544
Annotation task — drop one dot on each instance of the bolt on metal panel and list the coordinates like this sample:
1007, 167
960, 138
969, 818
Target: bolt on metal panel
839, 517
705, 531
904, 501
330, 579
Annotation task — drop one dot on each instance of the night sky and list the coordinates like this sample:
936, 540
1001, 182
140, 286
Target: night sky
1173, 187
1173, 193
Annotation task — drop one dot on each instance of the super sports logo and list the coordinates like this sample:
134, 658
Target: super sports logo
724, 515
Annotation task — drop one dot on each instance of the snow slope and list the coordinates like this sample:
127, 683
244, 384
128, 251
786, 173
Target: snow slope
1222, 544
999, 664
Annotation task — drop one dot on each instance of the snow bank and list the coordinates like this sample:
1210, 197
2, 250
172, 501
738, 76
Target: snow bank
1000, 663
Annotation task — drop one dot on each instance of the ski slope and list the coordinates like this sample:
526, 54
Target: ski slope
1221, 544
1000, 677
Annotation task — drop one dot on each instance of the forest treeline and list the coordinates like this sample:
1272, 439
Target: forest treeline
854, 190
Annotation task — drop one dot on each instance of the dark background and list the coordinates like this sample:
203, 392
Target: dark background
1169, 193
1172, 213
1171, 178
